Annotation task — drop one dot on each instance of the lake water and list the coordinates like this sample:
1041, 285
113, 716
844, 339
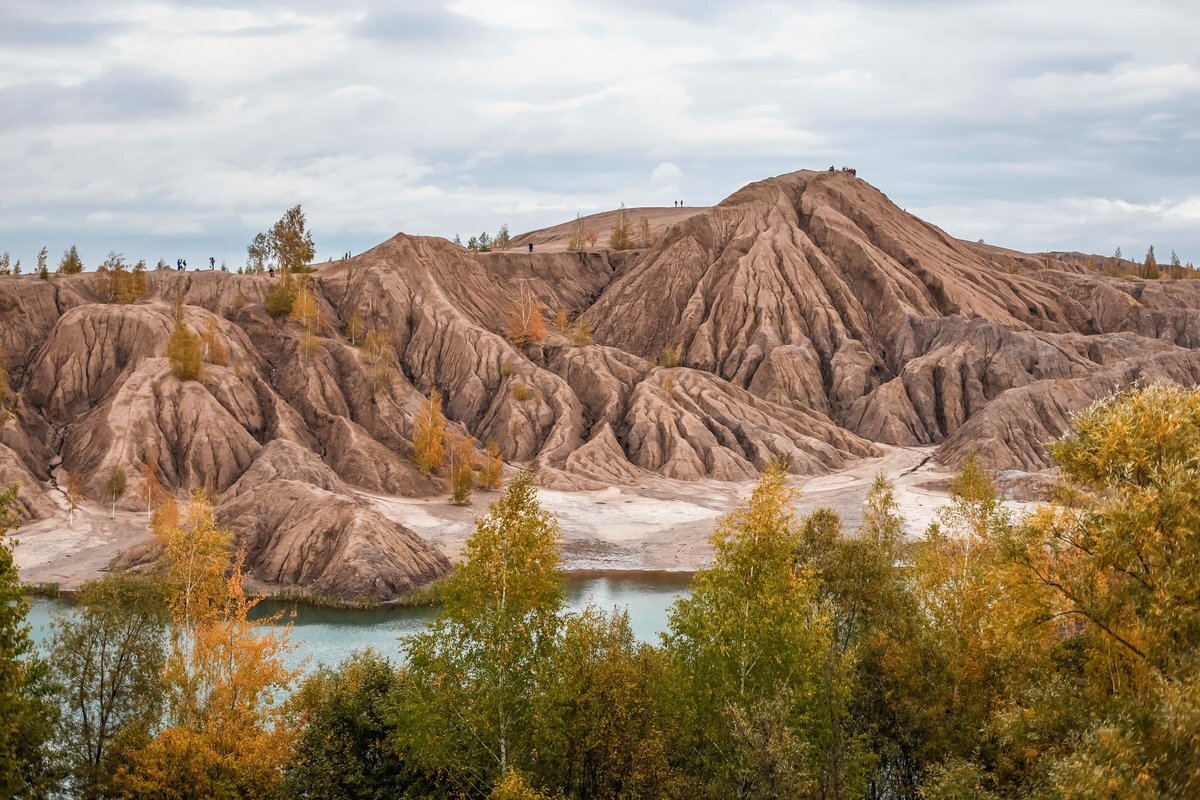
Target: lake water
328, 635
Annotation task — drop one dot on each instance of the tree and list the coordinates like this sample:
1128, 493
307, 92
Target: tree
525, 319
116, 283
115, 487
473, 244
258, 253
581, 334
344, 748
751, 633
591, 237
621, 237
74, 495
42, 255
1176, 272
475, 671
354, 328
225, 735
27, 716
282, 296
429, 434
71, 263
603, 720
644, 239
502, 240
378, 355
291, 243
306, 312
491, 472
5, 264
183, 351
108, 656
462, 470
578, 235
213, 350
1149, 267
562, 319
152, 488
484, 242
16, 270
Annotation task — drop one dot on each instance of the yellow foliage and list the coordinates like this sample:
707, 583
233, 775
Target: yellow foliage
214, 351
183, 349
491, 473
429, 434
525, 319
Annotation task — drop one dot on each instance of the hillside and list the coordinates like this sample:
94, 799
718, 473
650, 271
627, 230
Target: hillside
814, 321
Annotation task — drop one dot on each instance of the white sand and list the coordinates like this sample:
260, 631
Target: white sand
659, 524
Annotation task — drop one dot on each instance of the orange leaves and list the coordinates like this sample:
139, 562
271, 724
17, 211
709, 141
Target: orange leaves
525, 323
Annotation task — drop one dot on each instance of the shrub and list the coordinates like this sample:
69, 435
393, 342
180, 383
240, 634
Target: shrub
462, 470
282, 297
521, 392
581, 335
668, 357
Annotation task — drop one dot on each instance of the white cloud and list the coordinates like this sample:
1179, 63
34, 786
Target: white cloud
1030, 124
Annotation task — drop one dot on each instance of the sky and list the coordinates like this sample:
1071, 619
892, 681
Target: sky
181, 128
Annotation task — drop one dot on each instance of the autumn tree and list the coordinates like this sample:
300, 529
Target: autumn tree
578, 236
1149, 266
5, 264
212, 349
502, 240
71, 263
354, 327
306, 312
581, 334
107, 656
282, 296
525, 323
471, 707
183, 351
1176, 268
644, 239
562, 319
152, 488
749, 647
429, 434
74, 494
225, 733
290, 241
115, 487
621, 237
27, 715
462, 462
491, 471
591, 237
378, 357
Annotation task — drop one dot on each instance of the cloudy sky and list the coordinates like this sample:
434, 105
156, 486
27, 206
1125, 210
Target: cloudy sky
179, 128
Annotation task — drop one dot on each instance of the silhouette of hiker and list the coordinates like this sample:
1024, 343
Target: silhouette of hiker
179, 265
212, 263
531, 247
271, 271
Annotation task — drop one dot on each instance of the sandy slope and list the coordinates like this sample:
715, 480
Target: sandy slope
659, 524
554, 239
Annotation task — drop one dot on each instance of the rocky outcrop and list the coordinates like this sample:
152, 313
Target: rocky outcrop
301, 527
805, 319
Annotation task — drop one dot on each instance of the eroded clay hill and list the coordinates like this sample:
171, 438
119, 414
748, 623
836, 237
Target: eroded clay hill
811, 319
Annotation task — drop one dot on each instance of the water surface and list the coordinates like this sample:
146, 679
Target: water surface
328, 635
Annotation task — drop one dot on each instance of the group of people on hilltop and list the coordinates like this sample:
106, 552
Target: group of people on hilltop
851, 170
181, 264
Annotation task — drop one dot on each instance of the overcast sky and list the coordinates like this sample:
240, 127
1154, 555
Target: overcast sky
178, 129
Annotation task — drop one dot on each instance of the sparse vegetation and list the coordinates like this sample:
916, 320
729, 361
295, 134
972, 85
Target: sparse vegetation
429, 435
668, 357
491, 470
621, 237
575, 242
183, 351
461, 467
525, 319
71, 263
581, 334
521, 391
213, 351
378, 356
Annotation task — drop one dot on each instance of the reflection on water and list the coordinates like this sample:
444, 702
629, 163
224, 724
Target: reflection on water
328, 635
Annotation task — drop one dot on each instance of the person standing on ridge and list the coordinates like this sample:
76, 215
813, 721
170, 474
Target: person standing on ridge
212, 263
531, 247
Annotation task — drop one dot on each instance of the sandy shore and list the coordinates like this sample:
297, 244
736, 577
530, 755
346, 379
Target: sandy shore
657, 525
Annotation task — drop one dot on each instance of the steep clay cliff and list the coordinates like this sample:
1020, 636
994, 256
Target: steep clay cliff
805, 318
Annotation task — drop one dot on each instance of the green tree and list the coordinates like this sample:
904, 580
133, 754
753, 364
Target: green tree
108, 656
5, 267
27, 715
471, 706
1149, 267
603, 733
344, 750
290, 240
1176, 271
502, 240
71, 263
751, 633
